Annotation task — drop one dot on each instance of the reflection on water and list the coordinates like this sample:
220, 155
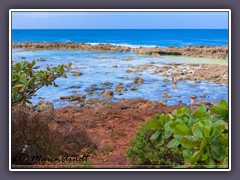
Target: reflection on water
98, 68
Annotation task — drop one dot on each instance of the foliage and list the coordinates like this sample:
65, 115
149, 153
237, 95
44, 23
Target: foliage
26, 79
202, 136
144, 151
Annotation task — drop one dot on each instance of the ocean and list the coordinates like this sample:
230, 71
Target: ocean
97, 67
132, 37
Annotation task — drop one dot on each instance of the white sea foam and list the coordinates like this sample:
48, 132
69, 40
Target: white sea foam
129, 45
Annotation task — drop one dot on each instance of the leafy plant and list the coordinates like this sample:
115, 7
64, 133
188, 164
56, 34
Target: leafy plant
144, 151
201, 135
220, 110
26, 79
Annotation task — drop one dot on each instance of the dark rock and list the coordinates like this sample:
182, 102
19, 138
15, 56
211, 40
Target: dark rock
138, 80
107, 84
75, 74
74, 87
129, 71
133, 88
41, 59
108, 94
118, 87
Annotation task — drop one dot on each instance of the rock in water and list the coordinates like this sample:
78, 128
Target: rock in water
75, 74
108, 94
133, 88
165, 80
138, 80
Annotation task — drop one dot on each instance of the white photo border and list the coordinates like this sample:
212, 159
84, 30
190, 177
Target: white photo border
120, 10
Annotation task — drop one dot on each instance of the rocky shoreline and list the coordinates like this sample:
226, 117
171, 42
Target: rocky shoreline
216, 52
103, 124
106, 128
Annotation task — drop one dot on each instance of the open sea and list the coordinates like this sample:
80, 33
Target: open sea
132, 37
97, 67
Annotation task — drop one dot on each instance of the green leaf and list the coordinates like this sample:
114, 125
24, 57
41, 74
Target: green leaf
206, 131
197, 130
154, 124
173, 143
162, 119
187, 154
182, 129
205, 156
156, 135
196, 156
189, 143
221, 109
223, 139
166, 134
204, 143
218, 151
167, 126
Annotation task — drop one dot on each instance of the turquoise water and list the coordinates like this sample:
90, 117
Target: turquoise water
97, 69
130, 37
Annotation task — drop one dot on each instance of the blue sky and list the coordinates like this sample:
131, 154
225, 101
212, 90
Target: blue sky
119, 20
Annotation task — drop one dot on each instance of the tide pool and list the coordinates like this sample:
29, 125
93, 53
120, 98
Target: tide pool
97, 68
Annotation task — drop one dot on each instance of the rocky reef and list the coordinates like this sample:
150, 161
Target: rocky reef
219, 52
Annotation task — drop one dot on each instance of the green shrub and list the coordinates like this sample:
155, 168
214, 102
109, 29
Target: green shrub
201, 136
144, 151
26, 79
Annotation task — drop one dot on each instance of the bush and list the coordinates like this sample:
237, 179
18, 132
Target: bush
144, 151
201, 135
27, 80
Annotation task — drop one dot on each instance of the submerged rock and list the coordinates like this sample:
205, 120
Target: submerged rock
165, 80
133, 88
41, 59
108, 94
75, 74
165, 95
74, 87
129, 71
107, 84
138, 80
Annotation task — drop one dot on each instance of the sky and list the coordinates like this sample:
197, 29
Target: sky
120, 20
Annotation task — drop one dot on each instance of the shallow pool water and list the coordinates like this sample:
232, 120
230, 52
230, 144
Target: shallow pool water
97, 68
